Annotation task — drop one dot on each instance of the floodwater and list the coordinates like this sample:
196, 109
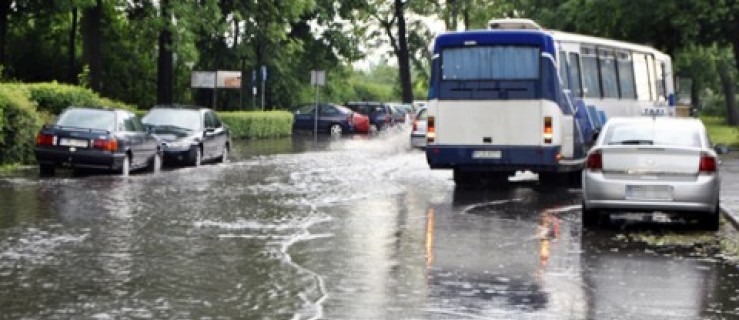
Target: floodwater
353, 228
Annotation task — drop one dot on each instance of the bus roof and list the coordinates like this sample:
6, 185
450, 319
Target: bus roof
597, 41
488, 37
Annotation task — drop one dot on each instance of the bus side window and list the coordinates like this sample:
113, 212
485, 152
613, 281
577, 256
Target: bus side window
590, 74
652, 77
609, 79
660, 81
576, 77
626, 75
641, 77
563, 74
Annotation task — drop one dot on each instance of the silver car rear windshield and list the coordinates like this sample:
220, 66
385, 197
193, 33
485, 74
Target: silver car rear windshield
652, 133
88, 118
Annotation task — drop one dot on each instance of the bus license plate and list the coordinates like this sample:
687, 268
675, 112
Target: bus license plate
73, 143
486, 154
635, 192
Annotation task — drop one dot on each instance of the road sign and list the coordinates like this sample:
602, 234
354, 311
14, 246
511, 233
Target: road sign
228, 79
318, 77
264, 73
203, 79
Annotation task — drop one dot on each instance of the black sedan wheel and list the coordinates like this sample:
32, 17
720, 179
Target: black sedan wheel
46, 170
335, 130
197, 157
125, 167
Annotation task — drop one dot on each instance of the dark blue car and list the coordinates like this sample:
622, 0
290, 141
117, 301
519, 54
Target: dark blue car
332, 119
106, 139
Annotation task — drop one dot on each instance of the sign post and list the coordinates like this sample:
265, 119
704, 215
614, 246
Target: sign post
264, 82
317, 78
214, 80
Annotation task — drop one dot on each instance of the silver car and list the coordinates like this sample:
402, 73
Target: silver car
418, 133
649, 164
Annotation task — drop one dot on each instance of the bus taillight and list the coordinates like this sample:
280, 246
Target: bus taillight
548, 130
430, 129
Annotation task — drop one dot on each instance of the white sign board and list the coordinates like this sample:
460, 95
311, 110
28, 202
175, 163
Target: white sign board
203, 79
318, 77
229, 79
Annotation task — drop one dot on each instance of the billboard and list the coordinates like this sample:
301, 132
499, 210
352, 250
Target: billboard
219, 79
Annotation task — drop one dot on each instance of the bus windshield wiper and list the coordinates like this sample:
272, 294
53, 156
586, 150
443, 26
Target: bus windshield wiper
634, 141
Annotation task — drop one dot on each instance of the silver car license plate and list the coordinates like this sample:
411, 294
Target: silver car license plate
67, 142
486, 154
648, 192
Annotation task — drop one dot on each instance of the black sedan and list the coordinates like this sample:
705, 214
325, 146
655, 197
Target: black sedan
107, 139
191, 135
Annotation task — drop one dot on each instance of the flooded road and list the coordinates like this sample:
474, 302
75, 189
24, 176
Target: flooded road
353, 228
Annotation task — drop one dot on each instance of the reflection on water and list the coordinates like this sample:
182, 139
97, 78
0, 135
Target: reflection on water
349, 228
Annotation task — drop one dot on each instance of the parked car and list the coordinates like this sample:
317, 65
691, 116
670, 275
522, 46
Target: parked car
332, 119
190, 134
380, 114
418, 132
407, 110
652, 164
107, 139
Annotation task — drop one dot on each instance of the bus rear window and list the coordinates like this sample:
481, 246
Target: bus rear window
491, 63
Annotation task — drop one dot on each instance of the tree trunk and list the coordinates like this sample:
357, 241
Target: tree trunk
72, 72
403, 54
164, 64
732, 115
4, 11
695, 97
91, 47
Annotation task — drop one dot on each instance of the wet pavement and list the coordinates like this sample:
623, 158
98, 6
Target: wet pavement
354, 228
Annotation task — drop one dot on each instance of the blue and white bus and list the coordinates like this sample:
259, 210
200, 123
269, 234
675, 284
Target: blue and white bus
516, 97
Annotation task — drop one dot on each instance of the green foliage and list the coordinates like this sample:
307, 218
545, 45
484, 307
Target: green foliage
257, 124
20, 123
54, 98
720, 132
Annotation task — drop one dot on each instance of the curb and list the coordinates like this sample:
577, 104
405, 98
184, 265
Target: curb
733, 217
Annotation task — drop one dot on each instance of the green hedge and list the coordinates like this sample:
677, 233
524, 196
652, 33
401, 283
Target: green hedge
257, 124
54, 97
19, 123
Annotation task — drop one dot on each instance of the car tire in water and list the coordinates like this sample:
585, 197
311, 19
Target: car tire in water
373, 129
156, 163
224, 154
46, 170
125, 166
335, 130
590, 217
710, 220
197, 156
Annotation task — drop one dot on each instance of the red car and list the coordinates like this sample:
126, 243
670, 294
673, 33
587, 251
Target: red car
360, 122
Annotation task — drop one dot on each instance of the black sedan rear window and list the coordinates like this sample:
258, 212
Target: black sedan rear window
88, 119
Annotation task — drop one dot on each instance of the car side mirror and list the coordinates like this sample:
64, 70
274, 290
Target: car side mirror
721, 148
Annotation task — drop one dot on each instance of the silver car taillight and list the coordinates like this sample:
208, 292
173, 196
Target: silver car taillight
707, 163
595, 161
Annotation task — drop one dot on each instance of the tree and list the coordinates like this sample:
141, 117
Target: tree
92, 41
164, 65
